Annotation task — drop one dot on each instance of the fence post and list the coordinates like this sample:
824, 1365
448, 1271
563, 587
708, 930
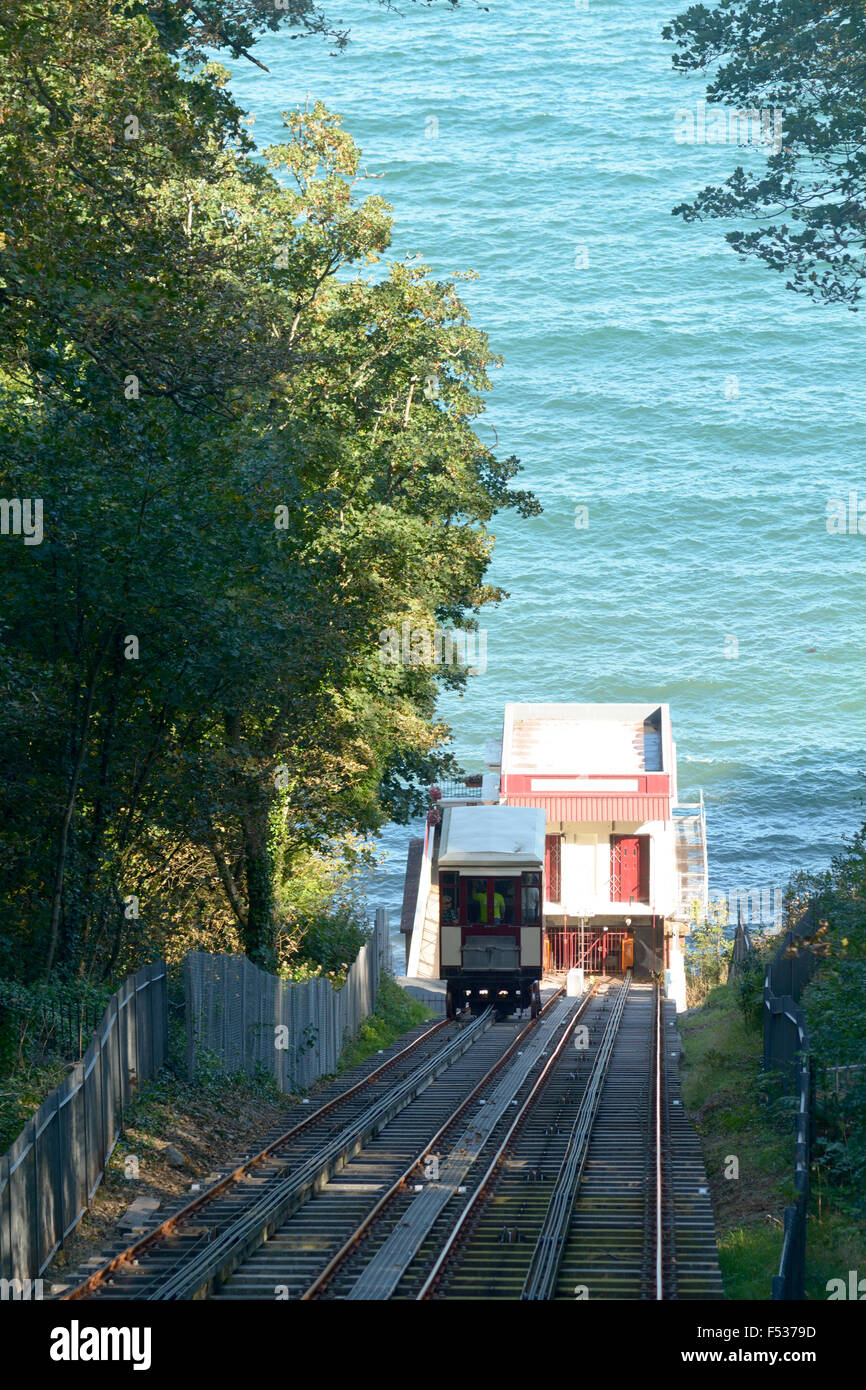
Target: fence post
190, 1011
382, 941
50, 1172
6, 1271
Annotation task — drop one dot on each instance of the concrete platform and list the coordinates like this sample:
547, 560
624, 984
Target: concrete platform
429, 992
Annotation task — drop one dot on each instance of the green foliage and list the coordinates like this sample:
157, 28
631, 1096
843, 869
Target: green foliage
43, 1028
806, 59
707, 953
40, 1022
396, 1012
749, 1258
726, 1097
835, 1013
330, 942
191, 30
322, 914
749, 979
212, 1079
23, 1088
833, 1004
835, 1018
322, 943
212, 381
738, 1110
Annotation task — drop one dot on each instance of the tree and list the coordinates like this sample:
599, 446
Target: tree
192, 30
216, 390
833, 1004
805, 60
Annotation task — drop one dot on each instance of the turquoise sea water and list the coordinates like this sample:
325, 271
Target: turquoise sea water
523, 143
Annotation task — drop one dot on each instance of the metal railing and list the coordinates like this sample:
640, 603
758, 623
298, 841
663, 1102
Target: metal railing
51, 1027
50, 1173
461, 788
790, 1282
787, 974
564, 950
839, 1080
691, 815
786, 1052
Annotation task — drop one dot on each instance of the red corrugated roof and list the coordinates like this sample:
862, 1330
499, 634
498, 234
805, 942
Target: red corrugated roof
582, 807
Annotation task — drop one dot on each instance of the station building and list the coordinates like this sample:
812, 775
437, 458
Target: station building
625, 863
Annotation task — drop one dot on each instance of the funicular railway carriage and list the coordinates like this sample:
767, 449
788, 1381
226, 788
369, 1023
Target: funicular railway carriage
491, 894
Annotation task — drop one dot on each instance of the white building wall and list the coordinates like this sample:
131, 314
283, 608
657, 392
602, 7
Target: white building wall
580, 881
665, 887
586, 866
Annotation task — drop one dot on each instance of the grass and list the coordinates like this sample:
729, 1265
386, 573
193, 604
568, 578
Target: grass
396, 1012
733, 1110
836, 1238
740, 1133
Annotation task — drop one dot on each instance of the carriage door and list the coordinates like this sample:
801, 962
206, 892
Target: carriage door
629, 863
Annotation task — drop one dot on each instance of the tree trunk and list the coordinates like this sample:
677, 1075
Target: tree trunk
256, 796
69, 808
90, 904
260, 931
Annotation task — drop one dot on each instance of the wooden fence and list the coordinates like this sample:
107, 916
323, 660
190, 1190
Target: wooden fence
245, 1020
50, 1173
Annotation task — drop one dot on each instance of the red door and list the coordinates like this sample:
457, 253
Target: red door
629, 865
552, 867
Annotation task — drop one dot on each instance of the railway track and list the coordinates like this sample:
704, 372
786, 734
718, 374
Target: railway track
287, 1166
386, 1258
586, 1198
527, 1161
193, 1252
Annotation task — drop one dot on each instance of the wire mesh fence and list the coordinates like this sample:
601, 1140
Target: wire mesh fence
49, 1174
248, 1021
235, 1012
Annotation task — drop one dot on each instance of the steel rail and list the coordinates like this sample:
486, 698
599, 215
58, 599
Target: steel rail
640, 1225
479, 1194
327, 1274
690, 1266
540, 1282
380, 1277
252, 1226
168, 1227
658, 1143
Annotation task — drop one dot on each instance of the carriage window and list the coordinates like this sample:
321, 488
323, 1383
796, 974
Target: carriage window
476, 899
503, 901
530, 899
449, 901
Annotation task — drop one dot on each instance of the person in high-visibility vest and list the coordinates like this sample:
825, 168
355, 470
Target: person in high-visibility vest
498, 907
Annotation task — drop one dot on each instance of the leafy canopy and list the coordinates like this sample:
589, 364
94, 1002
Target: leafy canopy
217, 388
807, 60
